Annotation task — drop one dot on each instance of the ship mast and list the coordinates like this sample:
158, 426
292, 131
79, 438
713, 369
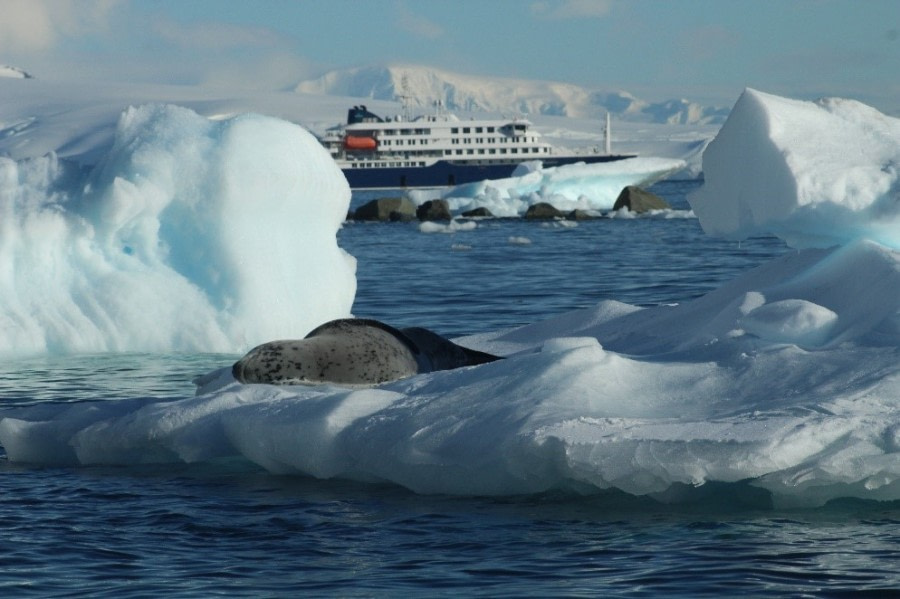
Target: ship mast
405, 97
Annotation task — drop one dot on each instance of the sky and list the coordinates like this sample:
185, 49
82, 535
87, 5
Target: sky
703, 50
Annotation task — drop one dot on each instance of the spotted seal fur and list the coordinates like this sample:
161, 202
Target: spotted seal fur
354, 351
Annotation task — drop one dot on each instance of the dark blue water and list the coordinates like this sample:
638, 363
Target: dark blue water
475, 281
230, 530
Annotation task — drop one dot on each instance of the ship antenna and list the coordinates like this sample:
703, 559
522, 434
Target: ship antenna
607, 135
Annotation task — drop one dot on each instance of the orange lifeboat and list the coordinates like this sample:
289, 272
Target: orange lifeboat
352, 142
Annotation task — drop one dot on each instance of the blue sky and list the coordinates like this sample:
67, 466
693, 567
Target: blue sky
706, 50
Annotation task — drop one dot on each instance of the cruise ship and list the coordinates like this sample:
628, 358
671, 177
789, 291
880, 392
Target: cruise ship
441, 150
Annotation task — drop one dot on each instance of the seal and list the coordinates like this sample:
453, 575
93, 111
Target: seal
354, 351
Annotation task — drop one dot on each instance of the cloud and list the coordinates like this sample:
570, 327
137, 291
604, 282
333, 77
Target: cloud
708, 41
417, 25
39, 25
571, 9
214, 36
223, 54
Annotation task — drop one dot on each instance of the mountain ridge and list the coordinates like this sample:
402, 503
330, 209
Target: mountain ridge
421, 86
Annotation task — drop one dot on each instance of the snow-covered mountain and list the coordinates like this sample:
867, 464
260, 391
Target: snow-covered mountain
13, 72
425, 85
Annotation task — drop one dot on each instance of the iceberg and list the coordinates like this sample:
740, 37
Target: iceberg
816, 174
189, 235
785, 380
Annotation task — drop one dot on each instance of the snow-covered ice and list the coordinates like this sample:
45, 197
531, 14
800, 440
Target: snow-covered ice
787, 378
569, 187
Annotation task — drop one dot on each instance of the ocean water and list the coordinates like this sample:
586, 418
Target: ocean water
231, 529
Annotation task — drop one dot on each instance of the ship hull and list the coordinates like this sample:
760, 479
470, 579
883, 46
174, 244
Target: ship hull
445, 173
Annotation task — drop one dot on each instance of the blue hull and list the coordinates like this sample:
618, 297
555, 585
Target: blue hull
447, 174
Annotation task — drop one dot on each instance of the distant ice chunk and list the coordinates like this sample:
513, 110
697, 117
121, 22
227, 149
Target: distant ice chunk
815, 174
451, 227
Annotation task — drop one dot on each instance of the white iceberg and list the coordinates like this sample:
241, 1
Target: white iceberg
816, 174
190, 235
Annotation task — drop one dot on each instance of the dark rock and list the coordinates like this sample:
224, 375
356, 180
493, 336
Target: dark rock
434, 210
579, 214
382, 208
542, 210
477, 212
638, 200
401, 217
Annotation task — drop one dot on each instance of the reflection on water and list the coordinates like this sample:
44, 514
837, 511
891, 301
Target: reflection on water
191, 531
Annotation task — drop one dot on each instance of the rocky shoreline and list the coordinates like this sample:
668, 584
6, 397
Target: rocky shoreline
402, 209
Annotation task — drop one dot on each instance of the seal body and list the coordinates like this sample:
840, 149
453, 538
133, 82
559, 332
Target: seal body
353, 351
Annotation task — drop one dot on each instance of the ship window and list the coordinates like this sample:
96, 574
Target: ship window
470, 151
492, 151
490, 129
503, 150
481, 151
454, 130
459, 152
467, 129
390, 132
479, 129
515, 150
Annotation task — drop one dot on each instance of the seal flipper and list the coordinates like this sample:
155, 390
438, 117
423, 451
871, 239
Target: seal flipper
442, 353
475, 357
